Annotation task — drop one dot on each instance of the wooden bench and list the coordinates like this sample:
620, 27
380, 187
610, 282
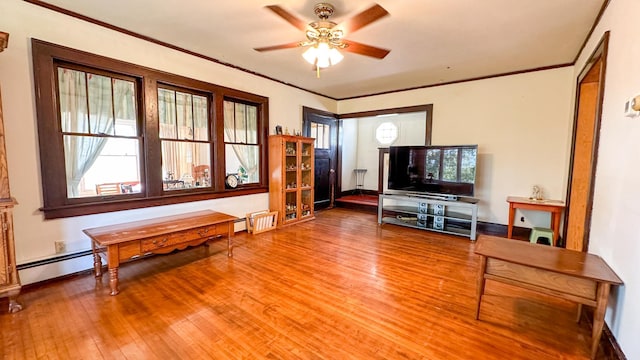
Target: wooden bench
129, 241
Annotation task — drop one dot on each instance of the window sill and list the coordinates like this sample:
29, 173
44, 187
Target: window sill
56, 212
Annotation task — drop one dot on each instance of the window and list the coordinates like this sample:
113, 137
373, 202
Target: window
116, 136
386, 133
184, 137
99, 132
322, 134
242, 152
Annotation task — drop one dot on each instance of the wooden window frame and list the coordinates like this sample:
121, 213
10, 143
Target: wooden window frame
46, 58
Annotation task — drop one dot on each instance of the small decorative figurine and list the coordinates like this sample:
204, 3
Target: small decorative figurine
536, 193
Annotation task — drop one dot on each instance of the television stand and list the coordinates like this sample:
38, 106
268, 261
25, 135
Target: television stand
430, 212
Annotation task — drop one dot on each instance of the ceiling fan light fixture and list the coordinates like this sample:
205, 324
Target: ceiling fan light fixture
322, 55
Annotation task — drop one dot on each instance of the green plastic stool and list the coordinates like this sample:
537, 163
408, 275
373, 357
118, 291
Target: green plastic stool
539, 232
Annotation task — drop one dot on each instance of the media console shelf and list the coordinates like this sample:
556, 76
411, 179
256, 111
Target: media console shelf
457, 217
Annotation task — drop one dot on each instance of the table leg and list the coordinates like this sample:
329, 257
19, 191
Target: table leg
97, 262
555, 226
598, 317
113, 262
230, 239
113, 281
481, 282
579, 313
512, 213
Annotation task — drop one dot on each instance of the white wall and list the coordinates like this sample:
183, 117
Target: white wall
34, 236
349, 156
522, 126
614, 231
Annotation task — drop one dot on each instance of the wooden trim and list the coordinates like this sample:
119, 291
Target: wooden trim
398, 110
381, 152
603, 8
427, 108
600, 52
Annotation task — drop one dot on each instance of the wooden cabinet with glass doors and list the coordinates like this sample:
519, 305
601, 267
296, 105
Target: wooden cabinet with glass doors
291, 183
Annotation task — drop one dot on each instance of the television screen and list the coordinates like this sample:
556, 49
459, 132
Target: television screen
448, 170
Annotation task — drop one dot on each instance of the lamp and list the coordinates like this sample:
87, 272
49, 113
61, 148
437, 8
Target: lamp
322, 55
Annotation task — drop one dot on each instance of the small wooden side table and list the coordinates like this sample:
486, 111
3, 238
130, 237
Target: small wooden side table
555, 207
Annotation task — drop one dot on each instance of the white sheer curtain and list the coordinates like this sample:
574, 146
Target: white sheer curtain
82, 151
241, 126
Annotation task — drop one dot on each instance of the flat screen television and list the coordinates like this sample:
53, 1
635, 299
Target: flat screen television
436, 170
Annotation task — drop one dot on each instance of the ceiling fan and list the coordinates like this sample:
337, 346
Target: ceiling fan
325, 37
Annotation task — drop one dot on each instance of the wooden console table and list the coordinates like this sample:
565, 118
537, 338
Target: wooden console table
555, 207
572, 275
129, 241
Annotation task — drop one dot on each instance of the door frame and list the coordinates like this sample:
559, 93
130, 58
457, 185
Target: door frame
333, 146
427, 108
599, 55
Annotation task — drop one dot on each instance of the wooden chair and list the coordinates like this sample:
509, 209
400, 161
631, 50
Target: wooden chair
201, 174
108, 189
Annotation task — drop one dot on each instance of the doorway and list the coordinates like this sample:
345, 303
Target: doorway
323, 126
584, 149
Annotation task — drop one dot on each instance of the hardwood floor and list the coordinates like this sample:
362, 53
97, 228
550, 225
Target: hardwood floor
339, 287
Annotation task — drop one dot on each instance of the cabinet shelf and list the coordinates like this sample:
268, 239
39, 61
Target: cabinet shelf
449, 217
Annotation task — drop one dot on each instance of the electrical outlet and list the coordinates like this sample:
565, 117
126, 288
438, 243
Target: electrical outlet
60, 247
522, 219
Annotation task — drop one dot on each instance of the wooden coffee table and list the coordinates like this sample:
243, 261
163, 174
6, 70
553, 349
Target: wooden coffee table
572, 275
130, 241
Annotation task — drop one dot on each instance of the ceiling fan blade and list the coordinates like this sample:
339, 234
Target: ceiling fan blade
366, 50
290, 18
278, 47
364, 18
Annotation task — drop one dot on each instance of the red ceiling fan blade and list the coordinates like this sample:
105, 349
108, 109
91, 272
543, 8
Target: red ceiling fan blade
278, 47
364, 18
366, 50
290, 18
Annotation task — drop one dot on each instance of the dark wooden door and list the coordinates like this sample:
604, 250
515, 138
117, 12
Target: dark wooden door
323, 127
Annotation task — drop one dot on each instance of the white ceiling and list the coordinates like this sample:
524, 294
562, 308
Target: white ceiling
431, 41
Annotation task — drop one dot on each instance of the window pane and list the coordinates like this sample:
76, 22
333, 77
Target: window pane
433, 164
252, 124
200, 118
73, 101
184, 112
167, 113
100, 105
229, 122
314, 133
450, 165
101, 165
243, 160
240, 123
185, 165
125, 108
325, 136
